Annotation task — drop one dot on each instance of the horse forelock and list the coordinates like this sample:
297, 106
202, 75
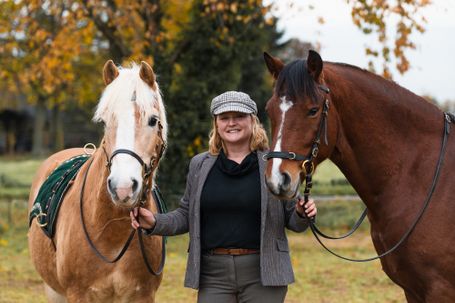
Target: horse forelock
295, 80
117, 98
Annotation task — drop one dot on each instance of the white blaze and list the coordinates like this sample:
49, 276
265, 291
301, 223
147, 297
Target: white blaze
125, 167
285, 105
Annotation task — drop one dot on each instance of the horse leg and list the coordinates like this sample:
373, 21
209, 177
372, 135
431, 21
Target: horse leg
53, 296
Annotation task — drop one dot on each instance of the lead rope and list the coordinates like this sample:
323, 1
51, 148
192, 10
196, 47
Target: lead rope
163, 243
448, 119
89, 240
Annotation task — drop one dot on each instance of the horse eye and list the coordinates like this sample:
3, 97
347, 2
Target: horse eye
152, 121
313, 111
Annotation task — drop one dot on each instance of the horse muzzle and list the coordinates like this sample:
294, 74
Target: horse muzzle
124, 195
282, 185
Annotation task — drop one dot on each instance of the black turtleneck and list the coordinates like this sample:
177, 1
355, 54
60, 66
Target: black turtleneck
231, 204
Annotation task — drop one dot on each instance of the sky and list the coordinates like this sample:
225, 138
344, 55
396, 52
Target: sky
432, 62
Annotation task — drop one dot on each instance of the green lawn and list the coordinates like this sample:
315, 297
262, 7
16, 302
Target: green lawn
16, 176
320, 277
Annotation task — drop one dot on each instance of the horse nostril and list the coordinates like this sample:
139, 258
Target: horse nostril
109, 184
135, 184
286, 179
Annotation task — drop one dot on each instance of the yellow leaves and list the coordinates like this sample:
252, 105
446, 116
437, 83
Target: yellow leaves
195, 147
404, 16
178, 69
233, 8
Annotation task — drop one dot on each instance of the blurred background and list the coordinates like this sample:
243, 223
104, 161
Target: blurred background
51, 59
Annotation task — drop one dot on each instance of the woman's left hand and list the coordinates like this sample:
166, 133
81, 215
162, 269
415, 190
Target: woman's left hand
309, 208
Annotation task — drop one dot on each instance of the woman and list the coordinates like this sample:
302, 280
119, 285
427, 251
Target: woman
238, 248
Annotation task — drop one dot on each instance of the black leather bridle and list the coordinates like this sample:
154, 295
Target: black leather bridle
308, 169
147, 171
307, 166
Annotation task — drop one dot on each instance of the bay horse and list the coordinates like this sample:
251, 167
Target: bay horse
133, 113
393, 147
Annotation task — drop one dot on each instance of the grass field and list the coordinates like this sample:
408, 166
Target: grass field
320, 277
16, 176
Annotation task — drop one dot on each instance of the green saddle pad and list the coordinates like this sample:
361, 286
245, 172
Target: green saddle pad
50, 195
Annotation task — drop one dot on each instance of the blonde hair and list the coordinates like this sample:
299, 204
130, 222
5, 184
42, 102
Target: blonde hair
258, 140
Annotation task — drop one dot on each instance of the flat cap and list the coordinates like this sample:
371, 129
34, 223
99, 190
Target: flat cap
232, 101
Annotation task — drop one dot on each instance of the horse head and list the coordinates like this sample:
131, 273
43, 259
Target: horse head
135, 130
301, 132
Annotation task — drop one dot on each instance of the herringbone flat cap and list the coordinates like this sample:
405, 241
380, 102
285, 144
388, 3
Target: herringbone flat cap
233, 101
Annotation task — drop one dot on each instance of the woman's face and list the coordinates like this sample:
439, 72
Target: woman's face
235, 128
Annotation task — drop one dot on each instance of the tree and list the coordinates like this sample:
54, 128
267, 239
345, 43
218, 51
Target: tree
40, 42
220, 49
371, 16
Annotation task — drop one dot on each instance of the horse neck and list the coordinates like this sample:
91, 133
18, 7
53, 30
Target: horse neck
386, 133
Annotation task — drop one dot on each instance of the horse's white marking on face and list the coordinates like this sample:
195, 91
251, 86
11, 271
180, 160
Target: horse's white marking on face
285, 105
127, 166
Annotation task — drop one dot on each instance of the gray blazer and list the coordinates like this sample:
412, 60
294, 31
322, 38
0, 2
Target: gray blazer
276, 268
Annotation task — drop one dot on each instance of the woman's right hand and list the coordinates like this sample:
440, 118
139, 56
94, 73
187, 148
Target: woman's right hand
142, 217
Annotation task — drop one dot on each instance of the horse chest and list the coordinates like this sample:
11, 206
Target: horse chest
117, 287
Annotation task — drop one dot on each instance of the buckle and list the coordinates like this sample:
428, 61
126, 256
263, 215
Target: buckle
305, 172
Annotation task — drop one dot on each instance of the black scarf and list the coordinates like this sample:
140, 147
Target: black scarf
232, 168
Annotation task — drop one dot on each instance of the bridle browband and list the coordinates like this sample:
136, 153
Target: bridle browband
307, 168
147, 171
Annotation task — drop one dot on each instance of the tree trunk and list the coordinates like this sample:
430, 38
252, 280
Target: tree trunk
57, 131
38, 148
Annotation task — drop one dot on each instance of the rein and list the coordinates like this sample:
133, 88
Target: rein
448, 119
307, 168
146, 178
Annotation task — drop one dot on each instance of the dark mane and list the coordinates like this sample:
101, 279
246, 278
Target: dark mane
294, 80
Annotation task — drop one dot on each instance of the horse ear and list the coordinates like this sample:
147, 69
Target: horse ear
110, 72
274, 65
314, 64
146, 73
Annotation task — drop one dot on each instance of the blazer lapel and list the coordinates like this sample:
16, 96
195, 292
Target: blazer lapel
207, 164
264, 191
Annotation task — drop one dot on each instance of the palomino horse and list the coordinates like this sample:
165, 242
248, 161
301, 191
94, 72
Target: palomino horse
390, 144
135, 132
